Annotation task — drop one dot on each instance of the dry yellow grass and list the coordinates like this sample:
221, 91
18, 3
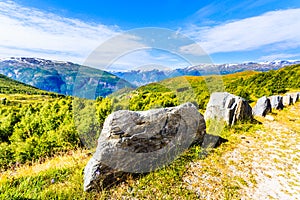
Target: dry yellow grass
67, 160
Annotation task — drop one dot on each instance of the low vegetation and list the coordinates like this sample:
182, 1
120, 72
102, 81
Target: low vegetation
249, 85
266, 83
35, 129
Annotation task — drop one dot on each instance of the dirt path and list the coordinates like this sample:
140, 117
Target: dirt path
264, 165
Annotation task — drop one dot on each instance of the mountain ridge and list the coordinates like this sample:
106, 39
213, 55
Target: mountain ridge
62, 77
142, 77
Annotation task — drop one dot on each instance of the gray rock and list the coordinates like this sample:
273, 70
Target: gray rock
228, 107
276, 102
142, 141
3, 100
212, 141
262, 107
287, 100
295, 97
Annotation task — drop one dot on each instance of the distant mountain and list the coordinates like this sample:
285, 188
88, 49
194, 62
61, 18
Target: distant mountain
62, 77
143, 77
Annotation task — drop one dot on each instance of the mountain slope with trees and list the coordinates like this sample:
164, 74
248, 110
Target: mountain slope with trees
62, 77
10, 86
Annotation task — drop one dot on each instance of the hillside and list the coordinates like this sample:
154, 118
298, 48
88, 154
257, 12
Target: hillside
267, 83
62, 77
248, 84
31, 121
10, 86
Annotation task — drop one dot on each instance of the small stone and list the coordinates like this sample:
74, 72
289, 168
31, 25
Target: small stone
295, 97
276, 102
269, 117
262, 107
287, 100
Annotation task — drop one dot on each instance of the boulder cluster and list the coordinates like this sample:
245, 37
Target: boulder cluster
265, 104
142, 141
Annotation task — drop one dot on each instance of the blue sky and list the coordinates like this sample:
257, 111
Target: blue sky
228, 31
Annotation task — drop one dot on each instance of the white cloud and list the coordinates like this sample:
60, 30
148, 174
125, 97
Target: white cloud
194, 49
279, 56
147, 59
279, 28
31, 32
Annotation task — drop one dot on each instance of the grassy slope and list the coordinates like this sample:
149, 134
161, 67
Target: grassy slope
249, 85
221, 175
17, 92
10, 86
267, 83
185, 88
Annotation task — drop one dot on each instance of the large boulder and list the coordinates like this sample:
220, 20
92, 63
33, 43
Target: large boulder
142, 141
276, 102
228, 107
287, 100
262, 107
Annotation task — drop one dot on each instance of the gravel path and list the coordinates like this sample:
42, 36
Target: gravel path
265, 165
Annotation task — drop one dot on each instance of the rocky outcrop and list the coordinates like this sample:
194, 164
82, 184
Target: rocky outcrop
287, 100
142, 141
262, 107
276, 102
227, 107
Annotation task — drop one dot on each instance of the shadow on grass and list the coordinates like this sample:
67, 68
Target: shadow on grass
210, 142
254, 121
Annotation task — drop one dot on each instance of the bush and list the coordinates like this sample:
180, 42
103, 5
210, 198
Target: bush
33, 131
